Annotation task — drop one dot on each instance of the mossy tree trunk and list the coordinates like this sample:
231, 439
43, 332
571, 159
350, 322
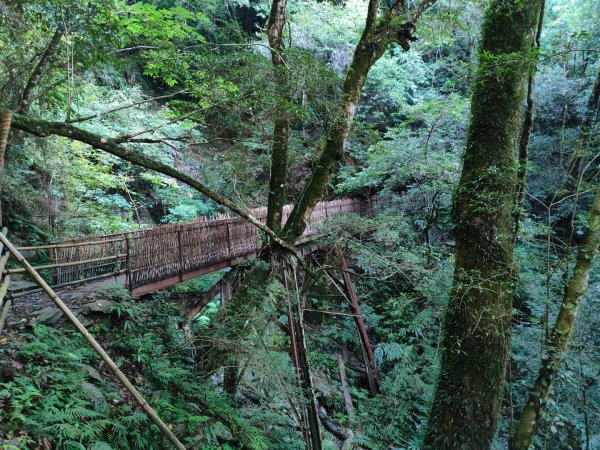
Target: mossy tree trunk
476, 333
281, 122
377, 36
561, 332
523, 160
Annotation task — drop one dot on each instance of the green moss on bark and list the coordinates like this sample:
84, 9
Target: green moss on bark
476, 339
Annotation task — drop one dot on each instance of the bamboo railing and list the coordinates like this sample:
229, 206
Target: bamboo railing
161, 256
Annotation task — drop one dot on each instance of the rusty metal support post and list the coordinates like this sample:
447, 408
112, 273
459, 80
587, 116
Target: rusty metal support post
299, 354
365, 343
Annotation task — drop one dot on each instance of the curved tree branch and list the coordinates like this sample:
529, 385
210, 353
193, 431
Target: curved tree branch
43, 128
372, 45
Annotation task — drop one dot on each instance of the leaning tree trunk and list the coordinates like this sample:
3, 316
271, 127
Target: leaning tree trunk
476, 334
38, 71
585, 133
377, 36
561, 333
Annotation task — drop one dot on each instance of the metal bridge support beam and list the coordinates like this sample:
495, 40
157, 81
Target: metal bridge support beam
299, 355
365, 343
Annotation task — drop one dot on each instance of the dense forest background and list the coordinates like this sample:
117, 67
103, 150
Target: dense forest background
192, 85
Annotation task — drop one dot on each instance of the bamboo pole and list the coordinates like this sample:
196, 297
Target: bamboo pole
6, 281
72, 263
6, 305
88, 337
69, 244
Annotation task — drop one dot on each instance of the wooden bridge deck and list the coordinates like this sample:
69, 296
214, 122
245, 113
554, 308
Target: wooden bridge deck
152, 259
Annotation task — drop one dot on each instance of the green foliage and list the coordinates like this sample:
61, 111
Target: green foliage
406, 144
65, 396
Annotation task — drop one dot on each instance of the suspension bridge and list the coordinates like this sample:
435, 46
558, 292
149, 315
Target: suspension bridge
155, 258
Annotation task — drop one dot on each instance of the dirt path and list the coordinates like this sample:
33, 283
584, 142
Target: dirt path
27, 306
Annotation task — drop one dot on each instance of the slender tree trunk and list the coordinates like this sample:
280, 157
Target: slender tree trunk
476, 338
526, 133
561, 332
4, 130
34, 78
279, 150
585, 132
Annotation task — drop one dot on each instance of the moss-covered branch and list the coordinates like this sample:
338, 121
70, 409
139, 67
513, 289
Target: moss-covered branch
373, 43
43, 128
561, 332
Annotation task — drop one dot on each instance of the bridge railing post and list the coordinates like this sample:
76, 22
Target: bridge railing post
180, 254
228, 241
128, 263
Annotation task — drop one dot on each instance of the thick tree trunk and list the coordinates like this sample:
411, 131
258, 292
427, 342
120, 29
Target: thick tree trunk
476, 339
281, 123
38, 71
561, 332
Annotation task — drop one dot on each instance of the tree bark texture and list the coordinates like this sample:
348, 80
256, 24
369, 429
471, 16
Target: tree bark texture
476, 333
561, 332
585, 132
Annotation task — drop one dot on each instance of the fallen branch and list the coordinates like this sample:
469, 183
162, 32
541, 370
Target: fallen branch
343, 434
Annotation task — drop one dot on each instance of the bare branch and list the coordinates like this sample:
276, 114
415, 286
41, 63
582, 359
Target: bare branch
416, 13
128, 137
137, 47
131, 105
35, 76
